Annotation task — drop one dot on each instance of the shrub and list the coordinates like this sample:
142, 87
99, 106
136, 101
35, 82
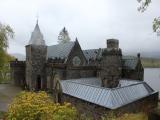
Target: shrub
137, 116
39, 106
126, 116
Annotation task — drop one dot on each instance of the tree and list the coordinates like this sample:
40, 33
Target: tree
63, 36
156, 21
6, 32
5, 69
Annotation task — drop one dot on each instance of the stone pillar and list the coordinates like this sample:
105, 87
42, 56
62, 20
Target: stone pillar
111, 64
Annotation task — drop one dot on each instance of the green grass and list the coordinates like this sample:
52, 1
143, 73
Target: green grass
151, 62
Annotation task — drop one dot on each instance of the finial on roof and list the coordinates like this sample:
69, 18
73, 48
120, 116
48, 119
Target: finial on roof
64, 29
76, 39
37, 21
138, 55
37, 17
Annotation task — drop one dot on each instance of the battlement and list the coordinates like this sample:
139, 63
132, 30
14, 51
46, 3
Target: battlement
108, 52
112, 43
17, 63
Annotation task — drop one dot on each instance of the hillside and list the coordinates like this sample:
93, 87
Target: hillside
151, 62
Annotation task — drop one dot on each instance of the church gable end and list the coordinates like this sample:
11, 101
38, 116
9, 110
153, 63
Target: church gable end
76, 56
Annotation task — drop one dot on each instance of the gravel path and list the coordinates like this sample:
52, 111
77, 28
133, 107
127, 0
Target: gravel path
7, 93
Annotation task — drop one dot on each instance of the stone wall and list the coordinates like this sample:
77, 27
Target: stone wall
134, 74
79, 73
76, 51
147, 103
18, 72
65, 72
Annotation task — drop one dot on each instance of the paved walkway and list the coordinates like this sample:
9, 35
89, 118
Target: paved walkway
7, 93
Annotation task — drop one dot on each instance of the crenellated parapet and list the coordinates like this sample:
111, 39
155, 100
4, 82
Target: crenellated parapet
108, 52
17, 63
18, 72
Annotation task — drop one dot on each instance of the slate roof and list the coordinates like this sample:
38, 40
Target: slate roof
61, 50
106, 97
93, 53
129, 62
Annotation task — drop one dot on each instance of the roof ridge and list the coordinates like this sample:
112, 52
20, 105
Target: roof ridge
62, 43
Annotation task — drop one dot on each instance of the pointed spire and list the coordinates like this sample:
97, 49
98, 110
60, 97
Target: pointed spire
76, 39
37, 21
37, 37
64, 30
37, 17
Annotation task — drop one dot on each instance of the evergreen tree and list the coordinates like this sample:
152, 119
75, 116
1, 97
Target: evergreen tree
63, 36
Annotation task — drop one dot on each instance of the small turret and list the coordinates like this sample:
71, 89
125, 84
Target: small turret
112, 44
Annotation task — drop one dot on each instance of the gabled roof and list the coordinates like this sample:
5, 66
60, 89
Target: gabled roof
93, 53
129, 62
60, 50
36, 36
107, 97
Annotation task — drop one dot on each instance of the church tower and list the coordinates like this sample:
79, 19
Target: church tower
36, 52
111, 64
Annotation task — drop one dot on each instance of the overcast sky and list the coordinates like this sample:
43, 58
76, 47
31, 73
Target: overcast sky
92, 21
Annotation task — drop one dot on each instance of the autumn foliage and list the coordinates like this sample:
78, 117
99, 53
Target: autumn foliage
39, 106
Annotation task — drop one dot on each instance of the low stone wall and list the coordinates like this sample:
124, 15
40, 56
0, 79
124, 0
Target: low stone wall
145, 104
85, 108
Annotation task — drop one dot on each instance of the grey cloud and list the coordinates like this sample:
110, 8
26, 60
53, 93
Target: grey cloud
92, 21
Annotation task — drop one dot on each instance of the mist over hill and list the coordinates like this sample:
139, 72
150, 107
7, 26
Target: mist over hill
150, 54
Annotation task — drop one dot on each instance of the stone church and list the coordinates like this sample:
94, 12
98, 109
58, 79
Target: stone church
99, 78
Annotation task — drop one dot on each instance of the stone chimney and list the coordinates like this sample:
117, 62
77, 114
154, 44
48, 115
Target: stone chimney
111, 64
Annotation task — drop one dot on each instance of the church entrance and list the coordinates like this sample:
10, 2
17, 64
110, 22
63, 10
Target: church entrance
38, 85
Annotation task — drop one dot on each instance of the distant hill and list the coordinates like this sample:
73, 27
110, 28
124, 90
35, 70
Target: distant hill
19, 56
151, 54
151, 62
